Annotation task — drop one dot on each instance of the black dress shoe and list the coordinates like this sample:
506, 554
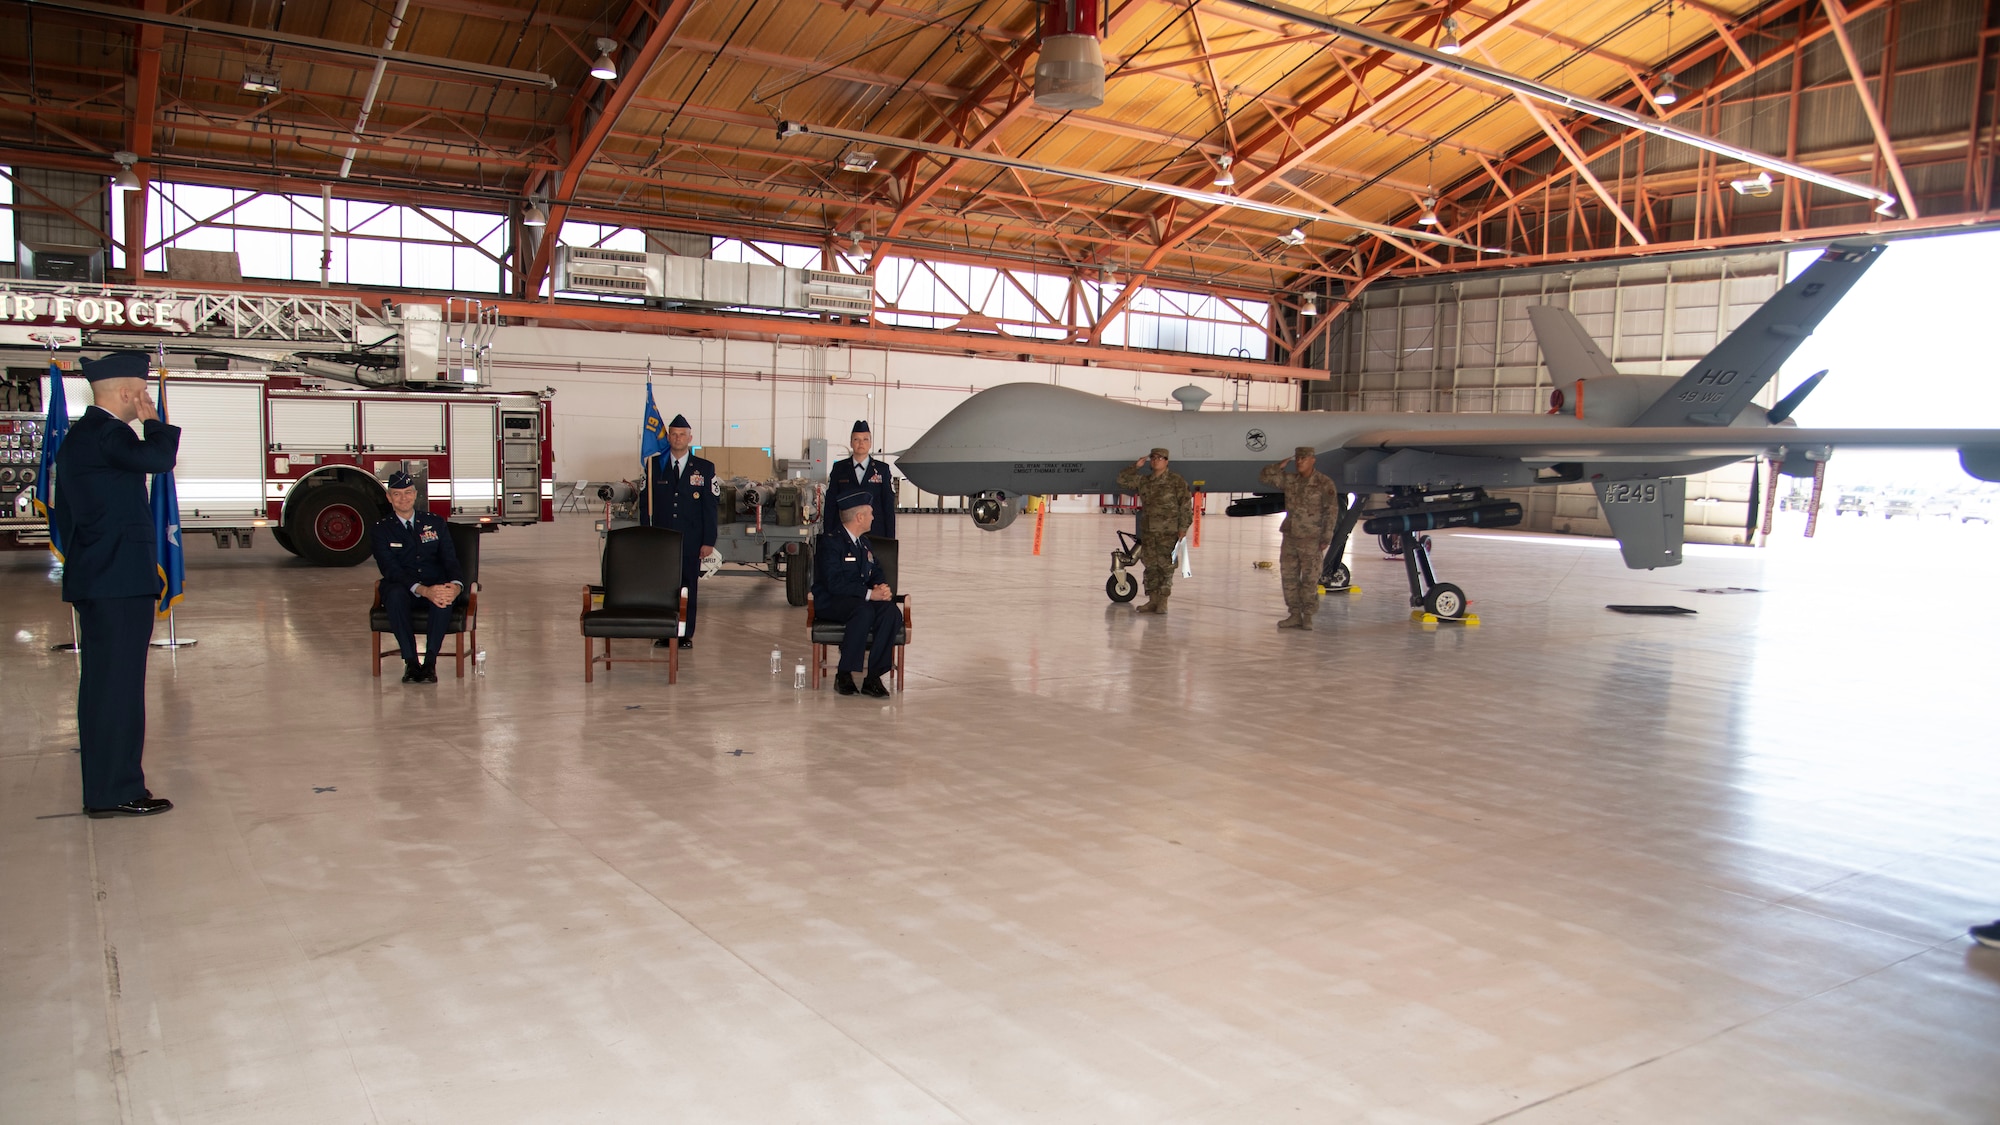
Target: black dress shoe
141, 806
843, 682
687, 642
664, 642
413, 673
873, 686
428, 675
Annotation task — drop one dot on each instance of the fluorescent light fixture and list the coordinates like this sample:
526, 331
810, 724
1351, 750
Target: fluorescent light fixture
260, 82
1293, 237
605, 69
1665, 95
1430, 216
125, 179
534, 216
1309, 305
1450, 45
1887, 206
1757, 186
1225, 177
852, 161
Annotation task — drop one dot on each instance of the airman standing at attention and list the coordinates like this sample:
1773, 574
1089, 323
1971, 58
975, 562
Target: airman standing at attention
1313, 507
681, 492
1165, 513
861, 472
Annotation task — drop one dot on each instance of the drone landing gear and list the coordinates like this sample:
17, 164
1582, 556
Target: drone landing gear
1334, 576
1121, 587
1440, 601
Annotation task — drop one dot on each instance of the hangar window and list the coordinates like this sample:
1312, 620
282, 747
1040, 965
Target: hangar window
6, 214
280, 235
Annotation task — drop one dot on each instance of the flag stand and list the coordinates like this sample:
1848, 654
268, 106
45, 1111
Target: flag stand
174, 640
73, 645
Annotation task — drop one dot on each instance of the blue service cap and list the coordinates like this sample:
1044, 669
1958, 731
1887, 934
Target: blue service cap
680, 422
401, 479
854, 500
117, 365
860, 426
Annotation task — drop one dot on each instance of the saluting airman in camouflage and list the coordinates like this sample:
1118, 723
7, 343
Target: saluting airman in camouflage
1313, 506
1166, 512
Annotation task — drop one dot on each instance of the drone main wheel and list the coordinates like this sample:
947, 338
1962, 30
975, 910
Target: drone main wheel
1121, 587
1445, 600
1392, 545
1338, 577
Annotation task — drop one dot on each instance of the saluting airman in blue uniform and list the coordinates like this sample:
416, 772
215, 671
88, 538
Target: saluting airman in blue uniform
111, 574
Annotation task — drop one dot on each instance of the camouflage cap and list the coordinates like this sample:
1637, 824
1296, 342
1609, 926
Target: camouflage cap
1305, 451
1160, 451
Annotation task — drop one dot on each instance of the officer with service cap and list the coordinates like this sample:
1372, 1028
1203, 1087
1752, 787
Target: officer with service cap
862, 473
111, 575
419, 567
850, 586
680, 495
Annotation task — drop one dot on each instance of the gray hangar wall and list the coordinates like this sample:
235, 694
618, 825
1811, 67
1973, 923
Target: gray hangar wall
1465, 345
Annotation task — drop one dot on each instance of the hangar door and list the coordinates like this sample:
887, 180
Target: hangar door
220, 473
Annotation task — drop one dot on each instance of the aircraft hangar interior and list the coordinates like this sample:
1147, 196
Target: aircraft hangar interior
1390, 561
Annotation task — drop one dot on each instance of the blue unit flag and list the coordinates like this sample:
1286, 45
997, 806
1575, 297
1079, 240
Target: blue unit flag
652, 430
54, 428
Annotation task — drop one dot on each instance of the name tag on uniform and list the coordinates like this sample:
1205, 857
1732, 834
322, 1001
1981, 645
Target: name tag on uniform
395, 544
849, 558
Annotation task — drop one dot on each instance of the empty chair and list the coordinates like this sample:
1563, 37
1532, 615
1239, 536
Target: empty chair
642, 598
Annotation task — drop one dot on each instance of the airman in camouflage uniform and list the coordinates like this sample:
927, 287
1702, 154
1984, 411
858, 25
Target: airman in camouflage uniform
1313, 507
1166, 512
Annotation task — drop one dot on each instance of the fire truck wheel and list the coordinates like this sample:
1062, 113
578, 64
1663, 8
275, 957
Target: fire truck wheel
330, 526
798, 574
284, 539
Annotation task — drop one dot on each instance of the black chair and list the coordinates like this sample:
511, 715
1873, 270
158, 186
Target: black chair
642, 598
829, 634
464, 612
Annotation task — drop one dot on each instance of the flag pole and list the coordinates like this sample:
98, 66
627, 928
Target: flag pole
75, 644
174, 639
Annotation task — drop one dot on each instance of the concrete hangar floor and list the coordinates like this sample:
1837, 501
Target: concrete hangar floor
1568, 867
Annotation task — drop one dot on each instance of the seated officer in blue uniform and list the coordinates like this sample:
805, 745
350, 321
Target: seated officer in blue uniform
681, 492
419, 567
862, 473
111, 574
849, 586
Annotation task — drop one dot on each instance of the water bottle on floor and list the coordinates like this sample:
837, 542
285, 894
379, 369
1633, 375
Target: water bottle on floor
776, 658
799, 677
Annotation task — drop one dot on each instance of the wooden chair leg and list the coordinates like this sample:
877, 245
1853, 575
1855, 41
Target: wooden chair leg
674, 664
458, 653
899, 667
375, 651
589, 662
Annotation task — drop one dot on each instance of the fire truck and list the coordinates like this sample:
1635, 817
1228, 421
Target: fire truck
293, 412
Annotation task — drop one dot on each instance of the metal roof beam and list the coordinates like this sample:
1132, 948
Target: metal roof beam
596, 110
1836, 12
403, 59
